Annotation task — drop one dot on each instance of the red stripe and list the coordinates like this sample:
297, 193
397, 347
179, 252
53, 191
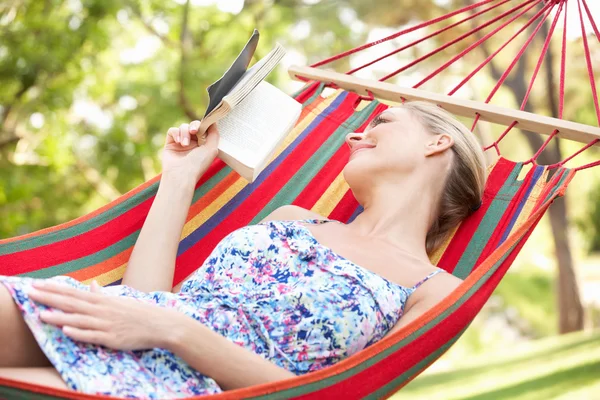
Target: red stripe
87, 243
498, 176
504, 222
261, 195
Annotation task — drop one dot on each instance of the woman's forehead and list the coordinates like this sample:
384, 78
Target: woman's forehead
398, 112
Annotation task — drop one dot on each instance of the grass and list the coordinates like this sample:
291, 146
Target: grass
561, 367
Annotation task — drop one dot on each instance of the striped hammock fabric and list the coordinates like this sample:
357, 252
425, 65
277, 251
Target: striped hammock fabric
306, 171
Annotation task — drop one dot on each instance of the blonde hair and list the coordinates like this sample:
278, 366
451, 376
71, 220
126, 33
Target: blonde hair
465, 181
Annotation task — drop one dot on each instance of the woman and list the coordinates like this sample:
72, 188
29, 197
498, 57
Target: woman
290, 295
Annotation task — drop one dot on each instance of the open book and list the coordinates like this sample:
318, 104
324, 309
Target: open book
253, 116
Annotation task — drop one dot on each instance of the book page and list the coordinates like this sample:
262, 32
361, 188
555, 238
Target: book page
255, 125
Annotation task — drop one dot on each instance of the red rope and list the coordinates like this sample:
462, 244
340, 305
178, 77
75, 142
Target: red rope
563, 162
402, 32
495, 144
589, 14
589, 63
586, 166
472, 46
426, 37
461, 37
534, 76
563, 69
542, 55
491, 56
513, 63
593, 85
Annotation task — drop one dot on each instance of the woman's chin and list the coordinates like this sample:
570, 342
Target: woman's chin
357, 168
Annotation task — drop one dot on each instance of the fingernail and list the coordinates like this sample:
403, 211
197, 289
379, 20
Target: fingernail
186, 141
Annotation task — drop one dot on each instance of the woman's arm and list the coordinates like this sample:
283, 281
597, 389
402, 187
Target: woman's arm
230, 365
152, 262
129, 324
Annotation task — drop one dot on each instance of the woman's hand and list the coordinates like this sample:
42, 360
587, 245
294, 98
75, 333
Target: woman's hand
187, 156
93, 317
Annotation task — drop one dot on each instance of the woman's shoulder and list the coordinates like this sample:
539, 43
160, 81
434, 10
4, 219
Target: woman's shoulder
291, 212
435, 290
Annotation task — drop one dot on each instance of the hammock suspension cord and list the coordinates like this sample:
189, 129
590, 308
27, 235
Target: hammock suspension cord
516, 11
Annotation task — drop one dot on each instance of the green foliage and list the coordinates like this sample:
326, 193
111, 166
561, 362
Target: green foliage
530, 292
590, 223
564, 367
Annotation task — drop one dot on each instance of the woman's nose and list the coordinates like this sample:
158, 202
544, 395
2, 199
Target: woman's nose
353, 138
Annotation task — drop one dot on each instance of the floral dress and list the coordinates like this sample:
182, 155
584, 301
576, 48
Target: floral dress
270, 288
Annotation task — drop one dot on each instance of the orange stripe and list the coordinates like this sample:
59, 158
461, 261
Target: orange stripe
209, 197
106, 266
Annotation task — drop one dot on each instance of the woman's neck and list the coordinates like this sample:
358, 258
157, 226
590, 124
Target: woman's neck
399, 215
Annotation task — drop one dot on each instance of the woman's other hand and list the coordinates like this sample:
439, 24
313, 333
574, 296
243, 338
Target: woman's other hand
94, 317
186, 155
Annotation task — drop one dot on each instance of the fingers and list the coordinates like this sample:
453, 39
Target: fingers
72, 319
84, 335
63, 297
212, 136
183, 134
53, 287
95, 288
194, 126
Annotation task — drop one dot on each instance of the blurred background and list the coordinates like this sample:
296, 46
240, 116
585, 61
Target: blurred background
89, 88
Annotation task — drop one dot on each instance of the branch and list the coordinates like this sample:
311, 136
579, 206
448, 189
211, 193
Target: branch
185, 45
138, 13
11, 139
92, 175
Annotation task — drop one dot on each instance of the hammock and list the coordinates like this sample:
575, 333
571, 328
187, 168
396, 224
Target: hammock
307, 171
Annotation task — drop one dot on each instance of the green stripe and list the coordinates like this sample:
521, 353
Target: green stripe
20, 394
559, 184
316, 386
385, 389
67, 233
315, 163
488, 224
84, 262
117, 247
318, 92
103, 218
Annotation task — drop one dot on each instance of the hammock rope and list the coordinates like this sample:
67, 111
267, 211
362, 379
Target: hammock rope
307, 171
400, 33
476, 10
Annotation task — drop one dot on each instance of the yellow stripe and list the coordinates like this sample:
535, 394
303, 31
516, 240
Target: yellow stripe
437, 255
108, 277
332, 196
531, 201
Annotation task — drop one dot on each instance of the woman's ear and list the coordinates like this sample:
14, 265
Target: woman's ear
438, 144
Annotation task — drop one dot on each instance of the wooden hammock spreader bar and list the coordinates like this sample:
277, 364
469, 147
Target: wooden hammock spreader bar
466, 108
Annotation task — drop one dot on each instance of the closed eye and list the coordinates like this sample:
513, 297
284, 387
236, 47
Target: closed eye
377, 120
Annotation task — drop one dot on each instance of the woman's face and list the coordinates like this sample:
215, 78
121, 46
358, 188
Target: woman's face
393, 145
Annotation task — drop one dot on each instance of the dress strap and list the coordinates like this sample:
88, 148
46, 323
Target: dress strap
437, 271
